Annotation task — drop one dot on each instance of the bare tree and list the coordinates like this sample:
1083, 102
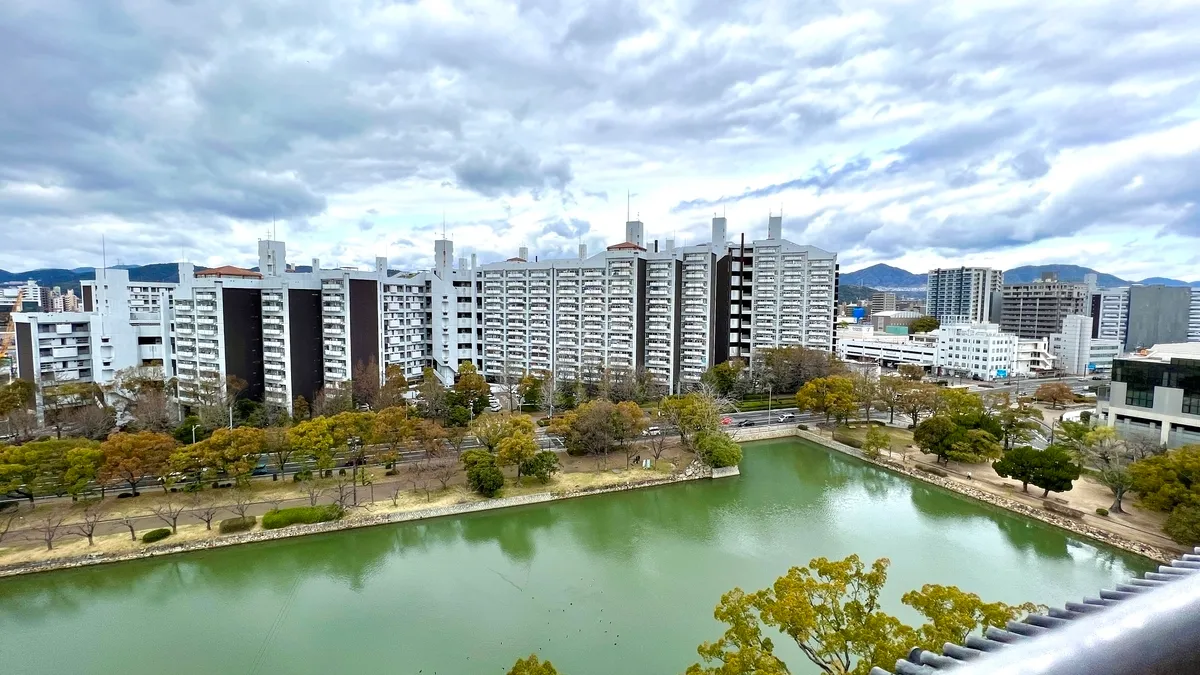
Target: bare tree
6, 523
151, 410
364, 383
1142, 445
419, 476
343, 493
397, 489
313, 489
204, 508
241, 502
93, 511
444, 470
49, 525
169, 512
91, 421
658, 445
129, 520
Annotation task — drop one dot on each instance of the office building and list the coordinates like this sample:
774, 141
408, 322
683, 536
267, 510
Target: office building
1157, 315
978, 351
1110, 313
1155, 393
895, 319
964, 294
1036, 309
889, 350
1076, 352
882, 302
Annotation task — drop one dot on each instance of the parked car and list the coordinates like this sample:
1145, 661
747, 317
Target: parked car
786, 417
652, 431
746, 423
726, 421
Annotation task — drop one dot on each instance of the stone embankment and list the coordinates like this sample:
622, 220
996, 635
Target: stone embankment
694, 471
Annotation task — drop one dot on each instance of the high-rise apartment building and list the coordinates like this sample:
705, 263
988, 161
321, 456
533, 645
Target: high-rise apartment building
672, 311
964, 294
882, 302
1036, 309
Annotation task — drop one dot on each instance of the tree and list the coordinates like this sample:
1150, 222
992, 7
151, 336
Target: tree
876, 442
1017, 424
80, 467
866, 393
940, 435
300, 409
919, 398
690, 414
629, 421
473, 389
129, 457
61, 400
332, 399
1104, 450
542, 466
233, 452
1165, 482
24, 469
432, 395
723, 376
491, 428
788, 368
717, 450
313, 440
91, 421
365, 384
89, 520
831, 610
891, 391
393, 391
278, 449
530, 389
215, 399
1183, 525
1056, 393
924, 324
515, 450
393, 429
430, 437
49, 524
203, 508
1056, 470
831, 396
959, 403
532, 666
483, 476
169, 512
911, 372
1019, 463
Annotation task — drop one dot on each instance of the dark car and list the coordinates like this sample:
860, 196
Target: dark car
746, 423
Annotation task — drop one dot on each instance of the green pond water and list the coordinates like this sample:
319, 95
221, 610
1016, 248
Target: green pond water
612, 583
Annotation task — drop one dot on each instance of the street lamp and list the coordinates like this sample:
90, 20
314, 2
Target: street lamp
194, 427
354, 443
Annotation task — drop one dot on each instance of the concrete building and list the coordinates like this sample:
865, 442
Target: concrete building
1110, 313
1157, 315
964, 294
881, 321
978, 351
1036, 310
1033, 356
882, 302
1076, 352
866, 344
1155, 393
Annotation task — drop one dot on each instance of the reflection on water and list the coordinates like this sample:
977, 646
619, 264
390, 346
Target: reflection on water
647, 566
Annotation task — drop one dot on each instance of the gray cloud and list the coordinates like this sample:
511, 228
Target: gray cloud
192, 124
497, 172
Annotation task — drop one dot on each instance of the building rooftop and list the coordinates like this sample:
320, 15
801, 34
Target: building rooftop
625, 246
229, 271
1167, 351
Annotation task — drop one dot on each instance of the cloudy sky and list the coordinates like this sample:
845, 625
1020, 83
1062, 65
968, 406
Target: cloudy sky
999, 132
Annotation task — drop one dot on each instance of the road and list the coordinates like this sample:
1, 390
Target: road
1029, 385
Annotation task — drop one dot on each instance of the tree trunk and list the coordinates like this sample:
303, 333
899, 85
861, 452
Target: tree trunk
1116, 505
89, 538
132, 533
1046, 493
892, 416
1024, 486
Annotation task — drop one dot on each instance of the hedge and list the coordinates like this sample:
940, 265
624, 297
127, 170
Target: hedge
847, 439
231, 525
156, 535
307, 515
932, 470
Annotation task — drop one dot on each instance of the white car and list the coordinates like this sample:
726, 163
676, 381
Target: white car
787, 417
652, 431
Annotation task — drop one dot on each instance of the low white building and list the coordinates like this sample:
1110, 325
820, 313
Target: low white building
867, 344
975, 350
1033, 355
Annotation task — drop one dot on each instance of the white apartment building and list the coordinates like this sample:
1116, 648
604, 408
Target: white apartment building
971, 294
1111, 307
977, 351
1077, 353
1033, 355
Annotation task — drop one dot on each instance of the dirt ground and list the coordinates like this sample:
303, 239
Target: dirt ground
23, 541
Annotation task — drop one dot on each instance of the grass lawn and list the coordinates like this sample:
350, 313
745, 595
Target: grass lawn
901, 438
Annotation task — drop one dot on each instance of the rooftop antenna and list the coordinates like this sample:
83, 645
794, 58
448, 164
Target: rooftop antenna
443, 223
626, 204
103, 257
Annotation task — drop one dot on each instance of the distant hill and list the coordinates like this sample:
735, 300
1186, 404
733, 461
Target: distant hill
1068, 273
854, 294
884, 277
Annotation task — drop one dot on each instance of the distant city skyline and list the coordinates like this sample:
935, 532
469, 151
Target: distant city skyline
970, 135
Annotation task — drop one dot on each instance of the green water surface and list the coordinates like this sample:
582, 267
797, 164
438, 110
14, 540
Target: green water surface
619, 583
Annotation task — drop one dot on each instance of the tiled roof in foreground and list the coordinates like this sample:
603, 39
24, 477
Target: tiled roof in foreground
1148, 625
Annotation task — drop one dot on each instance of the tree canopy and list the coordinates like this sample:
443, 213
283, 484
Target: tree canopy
1053, 469
924, 324
831, 396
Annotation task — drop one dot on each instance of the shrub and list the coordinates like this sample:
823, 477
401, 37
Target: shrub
802, 427
156, 535
470, 458
231, 525
718, 450
544, 422
485, 478
277, 518
542, 466
302, 475
1183, 525
847, 439
1102, 512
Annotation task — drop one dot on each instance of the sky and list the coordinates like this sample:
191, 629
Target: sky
919, 134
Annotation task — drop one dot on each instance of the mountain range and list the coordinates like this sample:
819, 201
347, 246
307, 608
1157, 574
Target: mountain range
888, 278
